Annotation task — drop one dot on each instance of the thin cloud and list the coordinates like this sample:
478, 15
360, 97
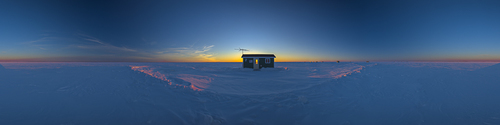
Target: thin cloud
205, 48
90, 38
44, 39
188, 54
102, 50
102, 45
46, 42
95, 40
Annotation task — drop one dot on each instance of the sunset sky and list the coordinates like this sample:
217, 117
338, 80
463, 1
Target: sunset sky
211, 30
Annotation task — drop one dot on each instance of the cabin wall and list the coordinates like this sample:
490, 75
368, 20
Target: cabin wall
262, 63
272, 62
247, 64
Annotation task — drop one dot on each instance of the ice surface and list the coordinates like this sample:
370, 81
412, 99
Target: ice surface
225, 93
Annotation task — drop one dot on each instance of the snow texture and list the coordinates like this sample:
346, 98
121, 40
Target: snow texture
2, 68
225, 93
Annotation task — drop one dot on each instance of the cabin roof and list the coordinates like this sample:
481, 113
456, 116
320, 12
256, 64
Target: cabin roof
257, 55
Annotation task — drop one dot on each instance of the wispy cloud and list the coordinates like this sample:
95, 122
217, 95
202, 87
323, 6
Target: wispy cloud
188, 54
95, 40
101, 45
44, 39
90, 38
91, 48
205, 48
45, 42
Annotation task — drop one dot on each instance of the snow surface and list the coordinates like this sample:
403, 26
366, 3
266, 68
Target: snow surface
225, 93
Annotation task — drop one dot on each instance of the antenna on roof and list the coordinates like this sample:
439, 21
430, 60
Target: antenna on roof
240, 49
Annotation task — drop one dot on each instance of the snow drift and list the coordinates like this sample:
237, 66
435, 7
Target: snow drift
2, 68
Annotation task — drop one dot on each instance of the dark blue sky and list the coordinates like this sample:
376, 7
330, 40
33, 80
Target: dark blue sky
207, 31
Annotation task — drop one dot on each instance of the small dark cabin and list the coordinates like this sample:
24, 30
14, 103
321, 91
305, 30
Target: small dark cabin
257, 61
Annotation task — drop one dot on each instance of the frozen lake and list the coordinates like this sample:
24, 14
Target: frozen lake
223, 93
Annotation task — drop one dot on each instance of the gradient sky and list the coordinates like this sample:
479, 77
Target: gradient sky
209, 30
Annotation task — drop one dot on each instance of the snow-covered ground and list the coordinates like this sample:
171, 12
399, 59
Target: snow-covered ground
224, 93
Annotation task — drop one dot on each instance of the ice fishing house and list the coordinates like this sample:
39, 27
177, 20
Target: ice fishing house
257, 61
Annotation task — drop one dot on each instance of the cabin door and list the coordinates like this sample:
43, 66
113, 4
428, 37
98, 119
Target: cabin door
256, 63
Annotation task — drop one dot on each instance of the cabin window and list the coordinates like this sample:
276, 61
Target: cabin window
256, 61
250, 61
268, 60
